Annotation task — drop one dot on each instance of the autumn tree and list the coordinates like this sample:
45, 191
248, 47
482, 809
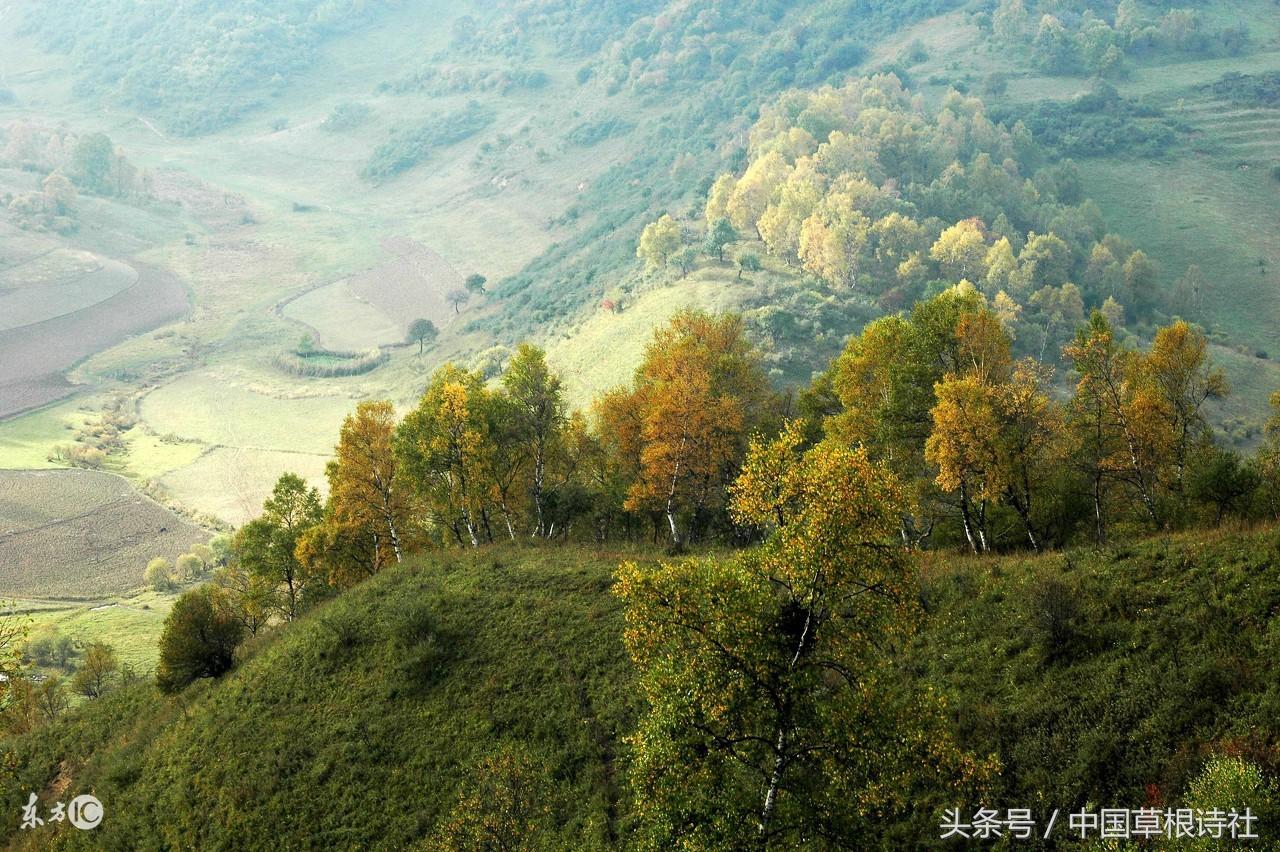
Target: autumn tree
696, 396
961, 251
1178, 369
773, 716
159, 574
1028, 441
659, 241
267, 545
96, 671
963, 446
441, 444
885, 383
1115, 421
366, 495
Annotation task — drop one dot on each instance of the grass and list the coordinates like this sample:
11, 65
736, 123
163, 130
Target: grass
604, 350
1197, 210
230, 484
130, 624
1093, 676
415, 675
225, 409
26, 441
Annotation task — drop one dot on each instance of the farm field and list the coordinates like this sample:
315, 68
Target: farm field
375, 307
130, 624
230, 484
85, 531
33, 356
225, 408
341, 320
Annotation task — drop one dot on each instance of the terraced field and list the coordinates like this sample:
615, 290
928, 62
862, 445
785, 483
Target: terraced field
1248, 135
81, 533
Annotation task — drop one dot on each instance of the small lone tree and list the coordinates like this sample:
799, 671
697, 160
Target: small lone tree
159, 574
199, 640
422, 332
719, 234
748, 263
475, 283
459, 297
188, 567
96, 672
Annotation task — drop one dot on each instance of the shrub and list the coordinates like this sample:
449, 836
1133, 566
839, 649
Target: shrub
159, 574
346, 116
405, 150
199, 641
330, 363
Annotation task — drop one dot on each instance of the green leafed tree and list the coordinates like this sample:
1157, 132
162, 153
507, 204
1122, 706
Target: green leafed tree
199, 640
422, 332
774, 717
267, 545
720, 234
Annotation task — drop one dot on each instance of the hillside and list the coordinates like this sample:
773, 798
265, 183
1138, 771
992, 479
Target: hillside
1093, 676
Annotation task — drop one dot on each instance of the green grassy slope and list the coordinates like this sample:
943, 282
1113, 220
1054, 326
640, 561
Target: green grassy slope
362, 720
1091, 675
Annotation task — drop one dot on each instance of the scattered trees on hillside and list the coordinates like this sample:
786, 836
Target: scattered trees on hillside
989, 451
1090, 44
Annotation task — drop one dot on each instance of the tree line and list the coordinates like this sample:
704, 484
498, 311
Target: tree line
992, 451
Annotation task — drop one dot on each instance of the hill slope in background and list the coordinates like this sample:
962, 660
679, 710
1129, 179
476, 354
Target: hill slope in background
1094, 676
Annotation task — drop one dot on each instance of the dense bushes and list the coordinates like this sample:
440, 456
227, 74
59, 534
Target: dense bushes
1261, 90
200, 65
408, 148
1097, 124
346, 116
330, 363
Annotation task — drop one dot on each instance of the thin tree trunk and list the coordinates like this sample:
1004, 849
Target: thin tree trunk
964, 516
671, 499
